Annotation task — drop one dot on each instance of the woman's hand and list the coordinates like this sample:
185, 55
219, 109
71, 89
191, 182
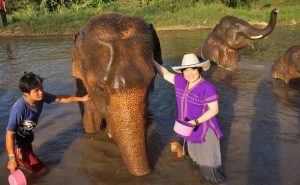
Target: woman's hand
12, 165
192, 122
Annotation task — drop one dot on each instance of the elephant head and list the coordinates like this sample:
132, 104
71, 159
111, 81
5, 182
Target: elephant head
231, 34
287, 66
112, 61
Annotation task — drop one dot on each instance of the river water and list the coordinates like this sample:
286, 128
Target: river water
260, 117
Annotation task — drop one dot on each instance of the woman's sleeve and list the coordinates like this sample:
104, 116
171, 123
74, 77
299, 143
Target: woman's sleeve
178, 79
210, 94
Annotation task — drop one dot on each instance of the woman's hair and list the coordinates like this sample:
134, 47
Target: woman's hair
30, 81
199, 69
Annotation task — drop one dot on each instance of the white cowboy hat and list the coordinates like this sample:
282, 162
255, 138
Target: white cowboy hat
191, 60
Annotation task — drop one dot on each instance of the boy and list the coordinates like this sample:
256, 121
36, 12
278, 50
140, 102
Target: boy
23, 119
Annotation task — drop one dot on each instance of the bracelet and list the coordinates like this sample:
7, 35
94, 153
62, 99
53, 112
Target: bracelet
11, 157
197, 122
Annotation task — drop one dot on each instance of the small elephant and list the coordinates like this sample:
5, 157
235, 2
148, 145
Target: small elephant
231, 34
287, 66
112, 62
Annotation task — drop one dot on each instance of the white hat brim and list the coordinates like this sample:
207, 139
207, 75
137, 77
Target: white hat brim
205, 65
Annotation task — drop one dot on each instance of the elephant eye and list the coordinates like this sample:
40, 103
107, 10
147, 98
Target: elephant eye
238, 25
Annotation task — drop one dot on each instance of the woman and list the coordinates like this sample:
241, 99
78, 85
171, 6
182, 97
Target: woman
197, 102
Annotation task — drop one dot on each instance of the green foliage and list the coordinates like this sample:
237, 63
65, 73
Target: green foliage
167, 5
40, 17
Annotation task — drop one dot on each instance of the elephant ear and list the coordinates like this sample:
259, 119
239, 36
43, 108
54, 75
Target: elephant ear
156, 45
75, 36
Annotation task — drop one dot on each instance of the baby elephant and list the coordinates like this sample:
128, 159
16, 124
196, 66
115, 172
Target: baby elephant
287, 66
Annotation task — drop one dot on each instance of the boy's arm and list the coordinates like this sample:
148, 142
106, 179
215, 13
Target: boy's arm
10, 143
69, 99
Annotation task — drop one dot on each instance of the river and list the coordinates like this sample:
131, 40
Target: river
259, 116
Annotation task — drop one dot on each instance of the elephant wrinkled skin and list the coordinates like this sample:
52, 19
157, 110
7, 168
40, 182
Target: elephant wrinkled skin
112, 61
287, 66
231, 34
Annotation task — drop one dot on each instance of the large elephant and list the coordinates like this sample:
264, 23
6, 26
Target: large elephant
287, 66
231, 34
112, 62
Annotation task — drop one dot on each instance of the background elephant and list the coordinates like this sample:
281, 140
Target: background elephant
287, 66
231, 34
112, 61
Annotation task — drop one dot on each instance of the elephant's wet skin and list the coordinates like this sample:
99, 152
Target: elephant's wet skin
287, 66
112, 61
231, 34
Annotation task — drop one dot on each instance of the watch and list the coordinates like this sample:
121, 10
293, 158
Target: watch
197, 122
11, 157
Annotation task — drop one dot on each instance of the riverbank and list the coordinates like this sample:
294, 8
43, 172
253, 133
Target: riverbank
69, 21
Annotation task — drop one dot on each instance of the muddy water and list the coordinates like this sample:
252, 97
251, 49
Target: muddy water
260, 117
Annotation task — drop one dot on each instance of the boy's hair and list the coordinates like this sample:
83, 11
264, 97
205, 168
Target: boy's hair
30, 81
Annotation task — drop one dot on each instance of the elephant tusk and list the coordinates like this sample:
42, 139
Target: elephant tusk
256, 37
109, 135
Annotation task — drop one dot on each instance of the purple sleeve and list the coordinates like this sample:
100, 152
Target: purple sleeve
15, 118
178, 79
210, 94
49, 98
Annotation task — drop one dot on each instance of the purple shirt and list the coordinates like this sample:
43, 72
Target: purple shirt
23, 119
192, 103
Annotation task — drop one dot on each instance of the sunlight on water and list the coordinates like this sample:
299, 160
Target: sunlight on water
260, 117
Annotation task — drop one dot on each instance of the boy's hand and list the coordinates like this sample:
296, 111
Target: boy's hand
85, 98
12, 166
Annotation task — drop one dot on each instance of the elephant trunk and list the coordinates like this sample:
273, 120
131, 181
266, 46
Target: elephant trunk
256, 33
127, 121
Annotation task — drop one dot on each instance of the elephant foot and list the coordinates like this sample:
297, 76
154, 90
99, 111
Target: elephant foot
177, 148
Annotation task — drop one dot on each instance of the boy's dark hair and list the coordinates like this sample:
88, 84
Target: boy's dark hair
30, 81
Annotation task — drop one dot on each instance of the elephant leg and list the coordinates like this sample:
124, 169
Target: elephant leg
127, 120
233, 58
91, 118
228, 58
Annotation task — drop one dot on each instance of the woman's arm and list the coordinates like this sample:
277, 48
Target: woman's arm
164, 73
213, 109
69, 99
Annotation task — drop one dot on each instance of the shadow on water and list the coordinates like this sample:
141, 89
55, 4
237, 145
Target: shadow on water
51, 152
162, 110
9, 52
264, 149
227, 92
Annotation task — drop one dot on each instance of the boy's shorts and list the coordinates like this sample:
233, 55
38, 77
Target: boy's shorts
27, 161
